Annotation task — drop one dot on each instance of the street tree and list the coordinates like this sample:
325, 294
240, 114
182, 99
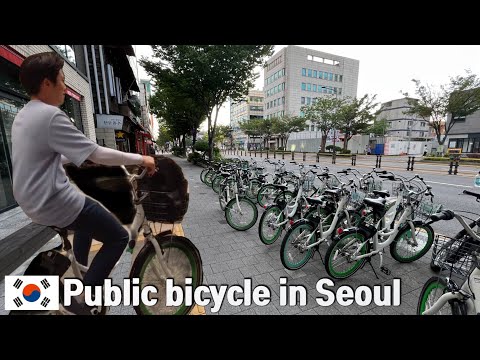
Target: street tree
214, 73
283, 126
251, 127
322, 113
379, 127
354, 116
459, 98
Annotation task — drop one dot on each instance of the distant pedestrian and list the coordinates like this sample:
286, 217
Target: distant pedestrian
368, 151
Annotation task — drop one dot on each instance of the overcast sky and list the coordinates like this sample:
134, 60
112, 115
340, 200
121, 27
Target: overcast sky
385, 70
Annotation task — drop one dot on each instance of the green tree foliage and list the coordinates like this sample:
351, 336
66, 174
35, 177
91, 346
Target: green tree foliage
354, 116
213, 73
459, 98
285, 125
323, 113
379, 127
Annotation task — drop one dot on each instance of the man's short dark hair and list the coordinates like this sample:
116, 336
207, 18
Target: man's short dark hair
38, 67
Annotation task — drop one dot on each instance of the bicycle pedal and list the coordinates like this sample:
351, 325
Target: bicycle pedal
385, 270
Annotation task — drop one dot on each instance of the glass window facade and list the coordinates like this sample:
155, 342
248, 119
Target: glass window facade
12, 99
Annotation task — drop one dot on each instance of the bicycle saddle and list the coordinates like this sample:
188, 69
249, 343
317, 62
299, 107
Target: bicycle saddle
382, 193
315, 200
376, 204
443, 215
280, 186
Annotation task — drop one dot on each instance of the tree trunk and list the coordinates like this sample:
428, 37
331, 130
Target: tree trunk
345, 140
194, 136
184, 144
323, 141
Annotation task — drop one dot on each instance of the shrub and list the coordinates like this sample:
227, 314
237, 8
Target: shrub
194, 157
330, 148
201, 145
178, 151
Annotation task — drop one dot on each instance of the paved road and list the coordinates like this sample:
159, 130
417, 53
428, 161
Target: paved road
230, 256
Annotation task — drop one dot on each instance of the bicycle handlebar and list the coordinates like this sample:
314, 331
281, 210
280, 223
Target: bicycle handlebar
466, 192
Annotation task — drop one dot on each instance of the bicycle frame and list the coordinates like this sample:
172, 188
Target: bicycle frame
469, 293
470, 290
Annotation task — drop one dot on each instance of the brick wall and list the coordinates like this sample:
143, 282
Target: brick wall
73, 80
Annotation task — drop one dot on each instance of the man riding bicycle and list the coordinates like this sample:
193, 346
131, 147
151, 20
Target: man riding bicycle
43, 139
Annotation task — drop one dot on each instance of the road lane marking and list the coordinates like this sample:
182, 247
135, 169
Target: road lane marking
435, 182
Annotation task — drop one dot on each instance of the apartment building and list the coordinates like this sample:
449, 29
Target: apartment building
250, 107
401, 124
296, 76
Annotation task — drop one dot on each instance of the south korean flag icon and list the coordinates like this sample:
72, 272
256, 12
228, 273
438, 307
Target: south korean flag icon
31, 293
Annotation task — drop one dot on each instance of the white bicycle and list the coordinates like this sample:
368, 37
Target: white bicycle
457, 290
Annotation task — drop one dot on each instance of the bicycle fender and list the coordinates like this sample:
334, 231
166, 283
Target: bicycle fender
415, 224
352, 230
304, 221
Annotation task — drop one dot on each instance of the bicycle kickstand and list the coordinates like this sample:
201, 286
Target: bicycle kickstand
369, 261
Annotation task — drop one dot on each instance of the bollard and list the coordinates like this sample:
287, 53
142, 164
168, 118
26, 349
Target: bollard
354, 159
293, 155
456, 168
411, 160
250, 153
304, 155
255, 153
450, 169
334, 158
274, 154
283, 155
379, 161
318, 157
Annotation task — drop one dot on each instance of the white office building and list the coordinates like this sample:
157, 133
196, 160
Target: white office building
297, 76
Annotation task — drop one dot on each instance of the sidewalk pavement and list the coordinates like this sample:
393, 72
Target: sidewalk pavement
230, 256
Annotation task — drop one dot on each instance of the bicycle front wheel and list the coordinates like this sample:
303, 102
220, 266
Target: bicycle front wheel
293, 251
179, 259
242, 215
268, 230
405, 250
431, 292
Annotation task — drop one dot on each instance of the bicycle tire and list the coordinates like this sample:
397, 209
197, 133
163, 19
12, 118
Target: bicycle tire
400, 241
187, 260
231, 206
456, 307
275, 210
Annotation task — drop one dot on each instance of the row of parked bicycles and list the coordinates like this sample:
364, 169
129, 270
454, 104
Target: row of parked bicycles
356, 218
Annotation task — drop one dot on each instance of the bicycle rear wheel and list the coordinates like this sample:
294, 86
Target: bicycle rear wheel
181, 259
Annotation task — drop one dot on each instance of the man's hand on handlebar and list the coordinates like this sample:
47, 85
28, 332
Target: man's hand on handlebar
149, 164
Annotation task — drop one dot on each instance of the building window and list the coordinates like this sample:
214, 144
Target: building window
341, 78
314, 73
330, 76
308, 100
71, 107
309, 72
314, 87
339, 91
302, 100
304, 72
320, 74
67, 52
309, 87
336, 77
304, 86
